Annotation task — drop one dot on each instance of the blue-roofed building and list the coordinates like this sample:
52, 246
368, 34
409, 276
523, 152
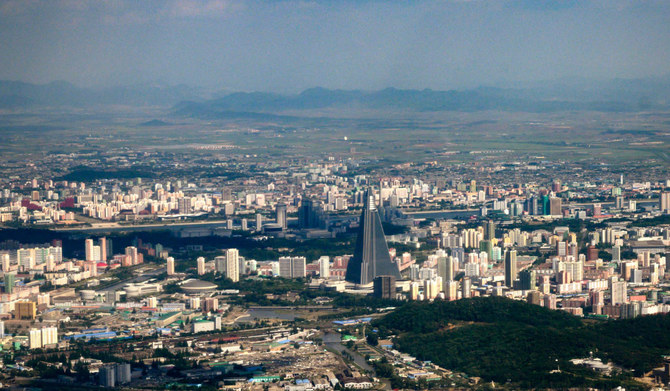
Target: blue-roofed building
102, 335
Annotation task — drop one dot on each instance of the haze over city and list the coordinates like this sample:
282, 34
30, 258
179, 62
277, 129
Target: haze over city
288, 46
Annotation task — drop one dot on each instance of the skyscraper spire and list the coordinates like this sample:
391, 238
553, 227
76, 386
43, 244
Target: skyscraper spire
371, 256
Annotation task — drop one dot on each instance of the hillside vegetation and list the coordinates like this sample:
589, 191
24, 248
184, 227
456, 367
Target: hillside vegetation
507, 340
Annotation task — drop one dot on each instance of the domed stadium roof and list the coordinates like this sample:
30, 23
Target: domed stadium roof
198, 286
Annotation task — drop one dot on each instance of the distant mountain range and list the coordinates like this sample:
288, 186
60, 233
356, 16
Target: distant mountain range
618, 95
611, 96
20, 95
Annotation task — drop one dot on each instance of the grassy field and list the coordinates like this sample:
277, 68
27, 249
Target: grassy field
404, 136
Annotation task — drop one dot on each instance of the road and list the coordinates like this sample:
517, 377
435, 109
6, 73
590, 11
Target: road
333, 340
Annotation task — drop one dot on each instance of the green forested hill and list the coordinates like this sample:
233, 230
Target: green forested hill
505, 340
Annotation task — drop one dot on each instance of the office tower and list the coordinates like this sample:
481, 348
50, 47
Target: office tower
170, 266
324, 267
309, 214
527, 280
618, 292
384, 287
664, 202
232, 264
200, 262
280, 211
510, 268
371, 255
473, 186
2, 329
597, 210
10, 279
544, 204
555, 205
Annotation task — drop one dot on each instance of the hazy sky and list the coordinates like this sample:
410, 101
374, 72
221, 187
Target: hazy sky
292, 45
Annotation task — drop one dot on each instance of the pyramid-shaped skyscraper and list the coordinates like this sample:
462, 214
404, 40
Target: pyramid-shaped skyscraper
371, 256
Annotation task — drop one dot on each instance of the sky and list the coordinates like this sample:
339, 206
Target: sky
288, 46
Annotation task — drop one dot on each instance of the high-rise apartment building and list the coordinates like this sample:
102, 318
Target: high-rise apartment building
170, 266
510, 268
233, 264
280, 211
292, 267
200, 264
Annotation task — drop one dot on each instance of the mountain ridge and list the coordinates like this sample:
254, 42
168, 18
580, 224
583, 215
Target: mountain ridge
615, 95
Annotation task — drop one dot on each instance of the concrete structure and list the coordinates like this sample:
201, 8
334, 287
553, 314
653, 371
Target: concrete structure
232, 264
200, 265
510, 268
384, 287
292, 267
371, 255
